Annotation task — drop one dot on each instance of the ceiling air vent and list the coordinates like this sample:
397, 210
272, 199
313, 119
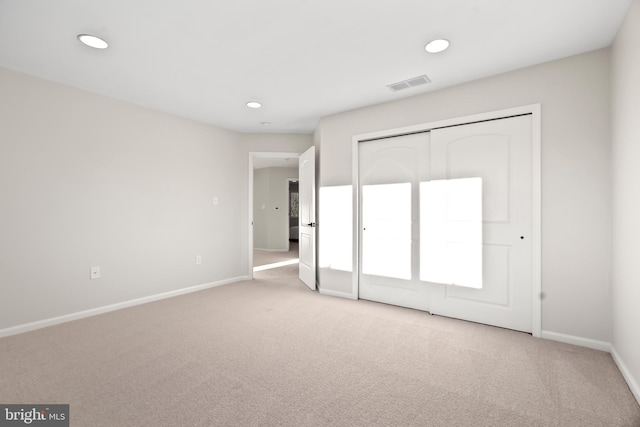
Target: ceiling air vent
406, 84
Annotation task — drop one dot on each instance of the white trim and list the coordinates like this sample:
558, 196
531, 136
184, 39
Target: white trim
27, 327
355, 179
425, 127
626, 374
337, 294
536, 208
536, 143
271, 250
574, 340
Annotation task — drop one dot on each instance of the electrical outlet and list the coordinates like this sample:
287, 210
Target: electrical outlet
198, 259
95, 272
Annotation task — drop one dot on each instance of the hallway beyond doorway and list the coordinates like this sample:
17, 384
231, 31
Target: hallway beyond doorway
262, 258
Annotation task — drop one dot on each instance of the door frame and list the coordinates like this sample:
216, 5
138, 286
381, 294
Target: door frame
535, 111
252, 156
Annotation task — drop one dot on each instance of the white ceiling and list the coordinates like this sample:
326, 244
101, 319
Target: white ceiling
302, 59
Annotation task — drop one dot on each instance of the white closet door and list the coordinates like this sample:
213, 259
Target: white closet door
500, 153
390, 171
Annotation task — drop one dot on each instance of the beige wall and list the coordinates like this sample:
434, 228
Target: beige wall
576, 213
626, 200
275, 142
86, 180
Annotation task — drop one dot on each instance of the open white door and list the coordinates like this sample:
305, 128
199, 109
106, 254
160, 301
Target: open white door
307, 194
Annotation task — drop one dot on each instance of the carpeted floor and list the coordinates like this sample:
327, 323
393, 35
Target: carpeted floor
262, 257
271, 352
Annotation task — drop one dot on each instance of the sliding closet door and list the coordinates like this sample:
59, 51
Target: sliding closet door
446, 222
499, 153
390, 171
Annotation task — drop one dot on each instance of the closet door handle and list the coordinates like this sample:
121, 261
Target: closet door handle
311, 224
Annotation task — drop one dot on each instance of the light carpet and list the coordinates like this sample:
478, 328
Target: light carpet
270, 352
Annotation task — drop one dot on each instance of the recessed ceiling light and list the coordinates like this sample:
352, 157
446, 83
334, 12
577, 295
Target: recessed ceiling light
253, 104
437, 46
93, 41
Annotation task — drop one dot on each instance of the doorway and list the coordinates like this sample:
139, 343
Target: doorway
270, 215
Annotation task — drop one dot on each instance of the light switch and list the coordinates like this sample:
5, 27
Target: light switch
215, 201
95, 272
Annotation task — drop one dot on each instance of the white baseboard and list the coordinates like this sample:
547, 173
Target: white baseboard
19, 329
271, 250
631, 382
337, 294
572, 339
